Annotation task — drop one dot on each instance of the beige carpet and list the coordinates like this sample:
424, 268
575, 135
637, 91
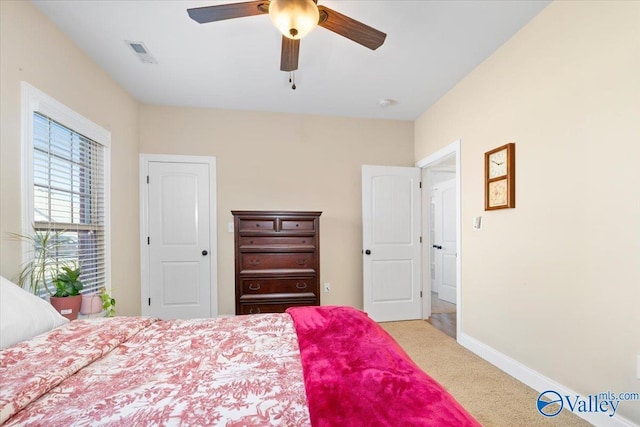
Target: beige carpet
491, 396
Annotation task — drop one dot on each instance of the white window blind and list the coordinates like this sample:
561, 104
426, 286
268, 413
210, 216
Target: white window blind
69, 196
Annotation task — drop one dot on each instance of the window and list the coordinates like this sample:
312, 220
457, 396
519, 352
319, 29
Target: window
66, 184
68, 195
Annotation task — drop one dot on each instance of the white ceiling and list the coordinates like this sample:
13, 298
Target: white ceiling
235, 64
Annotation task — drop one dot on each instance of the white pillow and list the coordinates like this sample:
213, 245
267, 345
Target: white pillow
24, 315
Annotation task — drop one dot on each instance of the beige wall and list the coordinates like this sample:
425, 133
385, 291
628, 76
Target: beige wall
33, 50
285, 162
555, 282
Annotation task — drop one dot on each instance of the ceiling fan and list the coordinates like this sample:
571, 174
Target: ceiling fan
295, 19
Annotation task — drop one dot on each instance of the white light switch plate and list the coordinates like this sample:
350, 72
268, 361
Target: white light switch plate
477, 223
230, 227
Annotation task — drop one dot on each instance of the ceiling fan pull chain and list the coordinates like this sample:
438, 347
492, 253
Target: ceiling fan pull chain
292, 79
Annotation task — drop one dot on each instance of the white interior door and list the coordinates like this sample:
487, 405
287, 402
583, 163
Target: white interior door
391, 242
181, 253
444, 245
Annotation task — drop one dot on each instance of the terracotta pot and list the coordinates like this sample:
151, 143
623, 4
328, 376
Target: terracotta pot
69, 307
91, 304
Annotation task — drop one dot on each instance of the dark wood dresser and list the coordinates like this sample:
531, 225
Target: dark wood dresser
277, 256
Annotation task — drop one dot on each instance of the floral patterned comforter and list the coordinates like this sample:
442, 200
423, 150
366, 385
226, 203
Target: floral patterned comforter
241, 371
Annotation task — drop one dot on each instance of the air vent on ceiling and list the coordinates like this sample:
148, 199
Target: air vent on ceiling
141, 51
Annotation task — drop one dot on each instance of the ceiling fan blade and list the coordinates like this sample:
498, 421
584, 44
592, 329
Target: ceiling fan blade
289, 56
228, 11
350, 28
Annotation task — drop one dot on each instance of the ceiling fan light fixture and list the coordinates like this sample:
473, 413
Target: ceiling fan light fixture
294, 18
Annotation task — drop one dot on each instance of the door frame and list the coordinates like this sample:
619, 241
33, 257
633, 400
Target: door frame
424, 165
145, 159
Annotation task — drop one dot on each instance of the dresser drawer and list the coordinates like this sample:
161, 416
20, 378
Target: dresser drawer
260, 225
272, 307
297, 225
261, 286
278, 261
277, 242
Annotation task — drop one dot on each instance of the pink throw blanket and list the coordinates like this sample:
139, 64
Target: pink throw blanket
364, 378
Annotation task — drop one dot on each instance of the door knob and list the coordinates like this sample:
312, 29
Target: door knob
368, 252
437, 246
205, 253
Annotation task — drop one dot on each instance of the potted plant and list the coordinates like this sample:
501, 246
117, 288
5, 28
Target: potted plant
67, 298
97, 303
39, 273
91, 304
108, 303
47, 272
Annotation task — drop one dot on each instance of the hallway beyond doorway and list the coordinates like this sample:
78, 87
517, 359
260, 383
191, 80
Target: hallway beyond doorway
443, 315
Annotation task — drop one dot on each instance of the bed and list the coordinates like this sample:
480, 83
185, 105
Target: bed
312, 366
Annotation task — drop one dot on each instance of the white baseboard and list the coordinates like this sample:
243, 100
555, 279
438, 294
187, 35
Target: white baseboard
537, 381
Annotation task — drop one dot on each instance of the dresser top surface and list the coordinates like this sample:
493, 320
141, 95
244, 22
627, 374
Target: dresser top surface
277, 213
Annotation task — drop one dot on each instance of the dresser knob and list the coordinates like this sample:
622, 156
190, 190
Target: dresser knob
254, 310
302, 285
254, 262
301, 261
254, 286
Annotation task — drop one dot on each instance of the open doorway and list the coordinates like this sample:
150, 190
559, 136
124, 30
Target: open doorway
443, 251
441, 264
